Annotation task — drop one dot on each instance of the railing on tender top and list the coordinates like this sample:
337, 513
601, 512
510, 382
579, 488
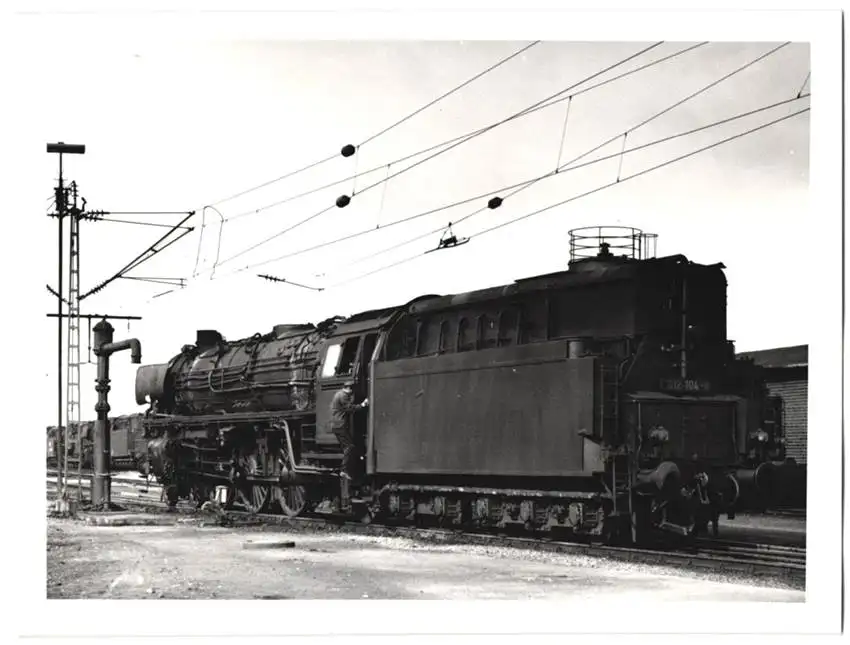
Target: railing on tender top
622, 241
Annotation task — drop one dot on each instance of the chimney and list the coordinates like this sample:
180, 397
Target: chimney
207, 339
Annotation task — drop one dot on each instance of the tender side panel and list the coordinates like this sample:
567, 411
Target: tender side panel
507, 411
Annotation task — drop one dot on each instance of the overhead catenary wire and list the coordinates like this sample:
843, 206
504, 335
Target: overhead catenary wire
278, 234
152, 224
436, 154
565, 98
200, 240
218, 244
684, 100
354, 184
383, 199
584, 194
803, 86
646, 171
169, 281
564, 132
452, 91
287, 175
523, 185
201, 237
142, 257
56, 295
622, 155
150, 212
154, 251
470, 134
381, 132
515, 187
411, 258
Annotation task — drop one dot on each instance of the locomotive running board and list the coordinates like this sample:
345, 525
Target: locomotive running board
237, 417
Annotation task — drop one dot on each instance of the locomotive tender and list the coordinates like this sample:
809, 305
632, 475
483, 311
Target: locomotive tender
604, 400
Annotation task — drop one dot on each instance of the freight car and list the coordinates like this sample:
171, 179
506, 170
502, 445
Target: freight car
80, 441
128, 445
602, 401
128, 449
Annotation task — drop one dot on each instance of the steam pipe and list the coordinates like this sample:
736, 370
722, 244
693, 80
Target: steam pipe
103, 349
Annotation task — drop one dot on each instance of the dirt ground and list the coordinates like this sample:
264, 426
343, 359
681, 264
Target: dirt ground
183, 559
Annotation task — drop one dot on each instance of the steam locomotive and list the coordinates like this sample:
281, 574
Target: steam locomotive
602, 402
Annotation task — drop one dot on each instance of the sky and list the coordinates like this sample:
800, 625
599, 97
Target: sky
175, 127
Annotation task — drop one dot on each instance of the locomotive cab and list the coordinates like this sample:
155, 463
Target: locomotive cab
345, 357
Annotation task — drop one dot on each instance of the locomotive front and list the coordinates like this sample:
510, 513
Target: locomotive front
216, 408
271, 372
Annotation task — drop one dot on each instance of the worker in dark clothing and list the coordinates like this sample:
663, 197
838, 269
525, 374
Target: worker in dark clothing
342, 410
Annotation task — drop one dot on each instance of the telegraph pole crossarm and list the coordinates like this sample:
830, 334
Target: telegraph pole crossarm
97, 316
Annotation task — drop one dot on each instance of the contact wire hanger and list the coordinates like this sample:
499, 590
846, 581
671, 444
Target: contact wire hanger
449, 240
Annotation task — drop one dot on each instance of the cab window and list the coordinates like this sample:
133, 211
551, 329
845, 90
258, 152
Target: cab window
331, 360
349, 354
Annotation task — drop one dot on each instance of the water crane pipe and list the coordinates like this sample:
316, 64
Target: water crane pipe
103, 349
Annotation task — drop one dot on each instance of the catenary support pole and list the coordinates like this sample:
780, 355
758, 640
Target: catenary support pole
62, 458
60, 149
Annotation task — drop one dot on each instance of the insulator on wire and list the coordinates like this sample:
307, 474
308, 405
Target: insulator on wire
495, 202
348, 150
343, 200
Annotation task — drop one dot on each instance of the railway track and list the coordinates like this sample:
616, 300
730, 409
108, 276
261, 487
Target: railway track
119, 478
715, 556
787, 512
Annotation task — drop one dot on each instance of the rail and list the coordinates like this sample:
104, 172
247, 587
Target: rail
746, 559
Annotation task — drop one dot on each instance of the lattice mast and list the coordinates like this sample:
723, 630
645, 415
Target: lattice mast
72, 395
61, 148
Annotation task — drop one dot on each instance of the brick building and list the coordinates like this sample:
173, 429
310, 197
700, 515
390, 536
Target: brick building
787, 373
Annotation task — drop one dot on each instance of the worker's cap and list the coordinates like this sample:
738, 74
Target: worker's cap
348, 384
